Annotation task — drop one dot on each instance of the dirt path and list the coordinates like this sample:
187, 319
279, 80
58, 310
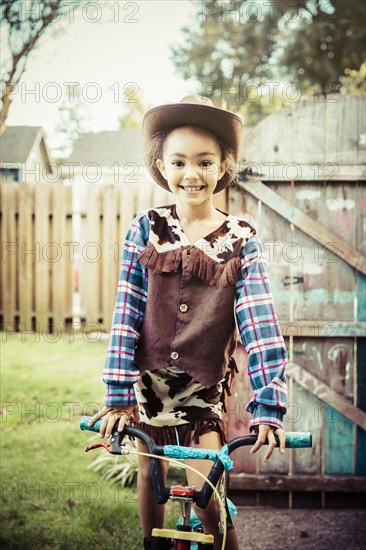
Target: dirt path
306, 529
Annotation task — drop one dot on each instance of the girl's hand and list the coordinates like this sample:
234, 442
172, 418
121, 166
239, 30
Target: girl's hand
268, 432
110, 416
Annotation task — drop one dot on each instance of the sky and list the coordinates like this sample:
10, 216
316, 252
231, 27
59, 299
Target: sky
127, 48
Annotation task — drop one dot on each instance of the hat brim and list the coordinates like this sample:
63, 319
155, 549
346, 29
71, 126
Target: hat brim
227, 126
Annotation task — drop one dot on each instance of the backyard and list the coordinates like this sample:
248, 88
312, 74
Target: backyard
50, 499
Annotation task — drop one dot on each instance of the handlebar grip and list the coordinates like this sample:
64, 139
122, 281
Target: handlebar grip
297, 440
94, 428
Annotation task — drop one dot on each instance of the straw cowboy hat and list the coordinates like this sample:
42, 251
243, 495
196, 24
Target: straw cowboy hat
198, 111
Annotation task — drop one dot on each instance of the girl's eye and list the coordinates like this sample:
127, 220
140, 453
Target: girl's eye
203, 163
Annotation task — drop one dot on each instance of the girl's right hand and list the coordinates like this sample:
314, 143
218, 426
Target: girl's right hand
110, 416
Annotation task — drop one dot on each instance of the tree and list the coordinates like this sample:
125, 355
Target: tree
74, 120
355, 81
23, 26
328, 41
135, 109
234, 46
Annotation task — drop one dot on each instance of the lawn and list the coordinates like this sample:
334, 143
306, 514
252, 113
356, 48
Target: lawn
50, 499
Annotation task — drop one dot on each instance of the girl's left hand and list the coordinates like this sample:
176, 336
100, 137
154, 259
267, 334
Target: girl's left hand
268, 432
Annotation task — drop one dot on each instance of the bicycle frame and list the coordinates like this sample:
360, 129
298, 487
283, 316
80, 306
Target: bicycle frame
221, 459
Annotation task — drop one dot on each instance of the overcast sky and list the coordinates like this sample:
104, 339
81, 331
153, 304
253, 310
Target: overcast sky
130, 45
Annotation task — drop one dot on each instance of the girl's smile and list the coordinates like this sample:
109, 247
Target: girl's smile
192, 190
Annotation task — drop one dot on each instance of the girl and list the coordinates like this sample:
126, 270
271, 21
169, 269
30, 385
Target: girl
191, 275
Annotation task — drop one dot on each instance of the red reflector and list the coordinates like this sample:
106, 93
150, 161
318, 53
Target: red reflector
180, 491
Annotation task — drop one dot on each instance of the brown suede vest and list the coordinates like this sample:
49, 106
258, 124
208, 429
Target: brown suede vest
188, 323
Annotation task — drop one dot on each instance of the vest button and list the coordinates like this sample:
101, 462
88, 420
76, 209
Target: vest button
174, 355
183, 307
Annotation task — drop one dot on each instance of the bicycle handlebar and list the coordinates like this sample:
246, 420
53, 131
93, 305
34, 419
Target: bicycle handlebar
293, 439
220, 457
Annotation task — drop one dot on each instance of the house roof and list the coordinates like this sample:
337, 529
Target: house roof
108, 147
17, 143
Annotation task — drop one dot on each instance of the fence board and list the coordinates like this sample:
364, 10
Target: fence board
311, 281
307, 417
144, 196
68, 254
238, 418
161, 196
317, 231
330, 361
326, 394
339, 443
359, 198
10, 255
361, 403
361, 452
337, 206
3, 254
312, 483
92, 255
81, 203
361, 298
42, 268
27, 255
127, 208
339, 212
315, 327
311, 133
57, 257
110, 240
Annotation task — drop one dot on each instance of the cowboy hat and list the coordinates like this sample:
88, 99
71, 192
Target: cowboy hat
198, 111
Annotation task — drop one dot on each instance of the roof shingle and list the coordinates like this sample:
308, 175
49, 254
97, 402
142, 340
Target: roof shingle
17, 143
109, 147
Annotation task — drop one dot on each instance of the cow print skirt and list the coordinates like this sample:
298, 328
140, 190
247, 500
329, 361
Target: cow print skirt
176, 409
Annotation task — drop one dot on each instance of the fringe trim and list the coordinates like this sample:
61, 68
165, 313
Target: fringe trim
187, 433
160, 261
228, 381
199, 264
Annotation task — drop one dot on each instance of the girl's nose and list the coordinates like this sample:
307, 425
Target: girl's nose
191, 173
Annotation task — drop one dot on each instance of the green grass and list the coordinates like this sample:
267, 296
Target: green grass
50, 499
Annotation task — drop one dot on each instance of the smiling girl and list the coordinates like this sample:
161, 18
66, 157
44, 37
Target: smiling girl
191, 277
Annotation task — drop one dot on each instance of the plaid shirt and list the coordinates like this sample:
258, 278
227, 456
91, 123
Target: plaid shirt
256, 320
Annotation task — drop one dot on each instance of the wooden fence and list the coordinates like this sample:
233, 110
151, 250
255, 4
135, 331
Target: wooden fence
317, 272
52, 243
36, 278
313, 231
57, 239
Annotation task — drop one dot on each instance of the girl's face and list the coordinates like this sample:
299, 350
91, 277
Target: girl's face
191, 163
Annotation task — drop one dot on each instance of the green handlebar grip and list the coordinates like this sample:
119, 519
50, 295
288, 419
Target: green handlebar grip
84, 424
297, 440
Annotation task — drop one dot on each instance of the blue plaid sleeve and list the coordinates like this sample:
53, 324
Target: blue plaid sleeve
120, 371
262, 338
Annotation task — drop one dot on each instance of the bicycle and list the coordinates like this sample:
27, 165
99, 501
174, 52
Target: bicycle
182, 537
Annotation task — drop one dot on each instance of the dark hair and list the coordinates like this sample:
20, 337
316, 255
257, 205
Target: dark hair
154, 150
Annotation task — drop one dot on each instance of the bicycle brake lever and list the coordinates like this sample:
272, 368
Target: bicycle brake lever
107, 446
114, 445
